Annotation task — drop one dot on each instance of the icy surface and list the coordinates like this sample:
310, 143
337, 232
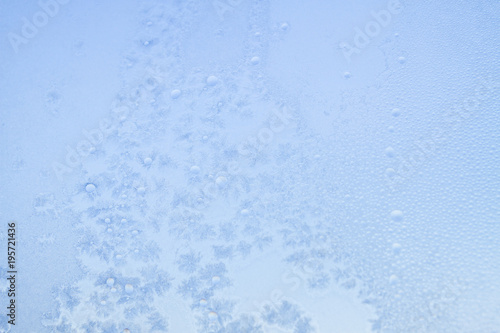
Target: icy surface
252, 166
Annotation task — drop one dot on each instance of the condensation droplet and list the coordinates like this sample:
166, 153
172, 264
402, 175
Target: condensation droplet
212, 315
90, 188
397, 215
175, 93
389, 152
129, 288
255, 60
212, 80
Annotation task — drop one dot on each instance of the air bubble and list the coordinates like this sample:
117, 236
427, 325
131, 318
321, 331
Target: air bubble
90, 187
109, 230
245, 212
203, 302
175, 93
129, 288
397, 215
110, 282
391, 129
401, 60
396, 112
393, 279
284, 26
107, 220
124, 220
215, 279
148, 161
195, 169
126, 330
212, 80
347, 75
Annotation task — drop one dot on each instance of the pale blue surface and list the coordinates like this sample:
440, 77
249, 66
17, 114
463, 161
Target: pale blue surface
251, 166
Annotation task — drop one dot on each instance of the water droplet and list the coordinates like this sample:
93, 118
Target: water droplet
109, 230
195, 169
148, 161
203, 302
389, 152
401, 60
221, 180
90, 187
397, 215
135, 232
124, 220
212, 80
107, 220
391, 129
245, 212
175, 93
393, 279
215, 279
126, 330
396, 112
119, 256
255, 60
110, 282
347, 75
390, 172
113, 290
284, 26
141, 190
129, 288
396, 248
212, 315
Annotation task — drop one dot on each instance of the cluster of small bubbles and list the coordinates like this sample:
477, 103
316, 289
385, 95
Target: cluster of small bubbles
255, 60
389, 152
212, 80
110, 282
175, 93
397, 215
129, 288
212, 315
90, 187
396, 112
148, 161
